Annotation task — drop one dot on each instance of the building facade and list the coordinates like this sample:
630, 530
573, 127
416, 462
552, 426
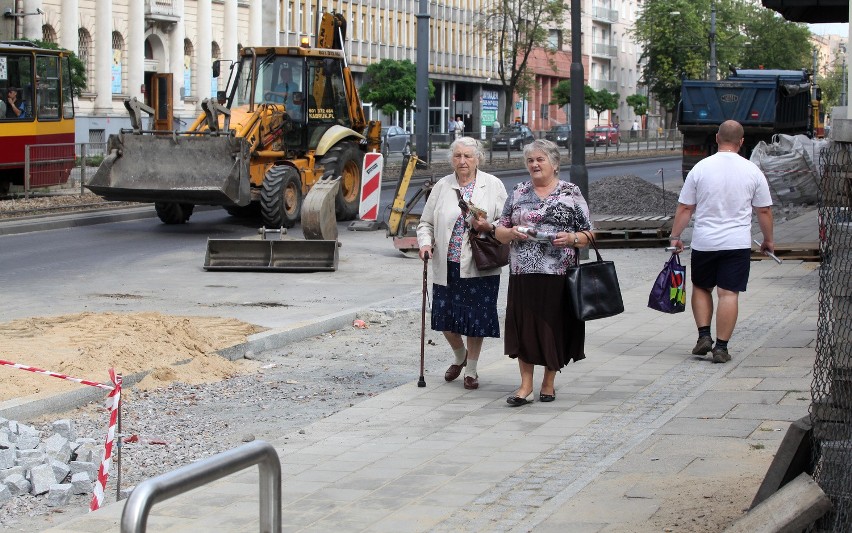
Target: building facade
125, 44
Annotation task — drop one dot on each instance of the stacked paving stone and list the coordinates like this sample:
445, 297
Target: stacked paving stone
56, 466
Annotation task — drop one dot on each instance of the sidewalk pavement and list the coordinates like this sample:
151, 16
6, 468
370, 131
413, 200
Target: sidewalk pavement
635, 427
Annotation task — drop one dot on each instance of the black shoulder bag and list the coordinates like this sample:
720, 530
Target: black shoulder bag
593, 290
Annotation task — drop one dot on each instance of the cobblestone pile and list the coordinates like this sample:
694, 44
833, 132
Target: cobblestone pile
55, 466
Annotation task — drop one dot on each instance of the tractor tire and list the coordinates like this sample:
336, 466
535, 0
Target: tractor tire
345, 160
173, 212
251, 210
281, 197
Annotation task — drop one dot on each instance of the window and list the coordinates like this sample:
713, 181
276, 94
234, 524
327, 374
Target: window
19, 71
187, 68
554, 39
48, 34
215, 53
84, 49
47, 87
97, 136
117, 48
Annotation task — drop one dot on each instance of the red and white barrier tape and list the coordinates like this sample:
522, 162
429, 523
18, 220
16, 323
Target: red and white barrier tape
56, 375
115, 396
103, 471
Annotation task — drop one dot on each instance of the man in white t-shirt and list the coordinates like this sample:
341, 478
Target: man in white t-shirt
722, 191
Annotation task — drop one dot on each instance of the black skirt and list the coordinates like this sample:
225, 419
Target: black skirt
539, 327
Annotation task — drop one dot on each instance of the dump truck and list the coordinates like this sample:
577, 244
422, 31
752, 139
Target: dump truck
765, 102
289, 121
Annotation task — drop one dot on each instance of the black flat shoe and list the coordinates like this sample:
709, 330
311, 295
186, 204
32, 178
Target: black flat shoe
517, 401
542, 397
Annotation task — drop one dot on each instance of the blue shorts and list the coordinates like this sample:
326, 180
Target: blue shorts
726, 269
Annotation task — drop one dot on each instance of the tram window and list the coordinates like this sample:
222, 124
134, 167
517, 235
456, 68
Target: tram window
16, 71
67, 91
46, 90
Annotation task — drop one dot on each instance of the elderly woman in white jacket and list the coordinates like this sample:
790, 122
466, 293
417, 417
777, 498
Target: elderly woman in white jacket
464, 299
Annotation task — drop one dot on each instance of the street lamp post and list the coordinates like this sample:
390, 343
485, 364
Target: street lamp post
713, 65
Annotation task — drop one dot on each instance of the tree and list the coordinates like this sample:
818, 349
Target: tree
391, 85
639, 103
675, 36
600, 101
78, 69
513, 28
561, 93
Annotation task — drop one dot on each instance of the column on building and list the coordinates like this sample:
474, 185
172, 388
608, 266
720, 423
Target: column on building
103, 57
204, 47
270, 22
176, 48
69, 38
32, 23
229, 49
255, 33
135, 49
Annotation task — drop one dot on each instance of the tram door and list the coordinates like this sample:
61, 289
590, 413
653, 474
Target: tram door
161, 101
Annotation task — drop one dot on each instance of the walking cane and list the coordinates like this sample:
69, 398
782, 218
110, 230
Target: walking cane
422, 381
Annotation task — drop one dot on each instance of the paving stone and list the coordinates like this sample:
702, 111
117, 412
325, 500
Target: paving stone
5, 493
7, 438
81, 483
42, 477
17, 484
27, 441
59, 494
84, 466
65, 428
7, 458
5, 473
57, 447
60, 469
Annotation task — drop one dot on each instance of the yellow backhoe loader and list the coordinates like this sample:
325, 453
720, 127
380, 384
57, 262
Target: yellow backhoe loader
290, 127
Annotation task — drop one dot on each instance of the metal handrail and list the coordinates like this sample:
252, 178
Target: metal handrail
134, 518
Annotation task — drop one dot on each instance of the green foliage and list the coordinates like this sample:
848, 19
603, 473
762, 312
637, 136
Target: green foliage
513, 28
78, 69
639, 103
832, 87
562, 93
600, 101
675, 35
392, 85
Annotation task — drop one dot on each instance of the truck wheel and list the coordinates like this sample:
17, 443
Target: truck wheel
281, 197
173, 213
345, 160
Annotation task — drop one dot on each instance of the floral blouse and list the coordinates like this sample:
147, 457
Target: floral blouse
564, 209
454, 251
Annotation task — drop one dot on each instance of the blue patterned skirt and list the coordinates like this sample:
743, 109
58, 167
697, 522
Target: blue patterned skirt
467, 306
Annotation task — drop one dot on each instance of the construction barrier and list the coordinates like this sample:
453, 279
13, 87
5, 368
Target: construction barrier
371, 186
114, 406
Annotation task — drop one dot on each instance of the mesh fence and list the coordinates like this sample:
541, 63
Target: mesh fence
831, 406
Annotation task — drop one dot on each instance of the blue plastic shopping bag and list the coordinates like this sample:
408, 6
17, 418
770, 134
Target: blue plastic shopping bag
669, 291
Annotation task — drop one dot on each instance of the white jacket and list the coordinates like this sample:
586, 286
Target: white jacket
440, 215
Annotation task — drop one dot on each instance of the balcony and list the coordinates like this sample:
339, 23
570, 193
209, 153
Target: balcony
605, 50
609, 85
162, 11
604, 14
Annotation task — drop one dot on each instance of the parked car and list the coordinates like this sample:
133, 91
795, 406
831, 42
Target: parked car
395, 139
514, 136
560, 134
602, 135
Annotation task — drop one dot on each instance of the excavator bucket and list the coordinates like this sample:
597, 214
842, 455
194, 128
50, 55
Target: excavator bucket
284, 255
193, 169
318, 216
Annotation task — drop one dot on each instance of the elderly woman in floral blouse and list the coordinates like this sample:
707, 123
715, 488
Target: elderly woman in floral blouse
544, 219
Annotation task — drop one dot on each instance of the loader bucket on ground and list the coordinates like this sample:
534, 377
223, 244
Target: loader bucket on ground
271, 255
192, 169
319, 220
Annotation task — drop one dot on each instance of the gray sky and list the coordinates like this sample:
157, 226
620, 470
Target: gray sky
841, 29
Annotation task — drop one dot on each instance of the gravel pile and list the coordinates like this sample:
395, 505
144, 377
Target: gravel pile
630, 195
